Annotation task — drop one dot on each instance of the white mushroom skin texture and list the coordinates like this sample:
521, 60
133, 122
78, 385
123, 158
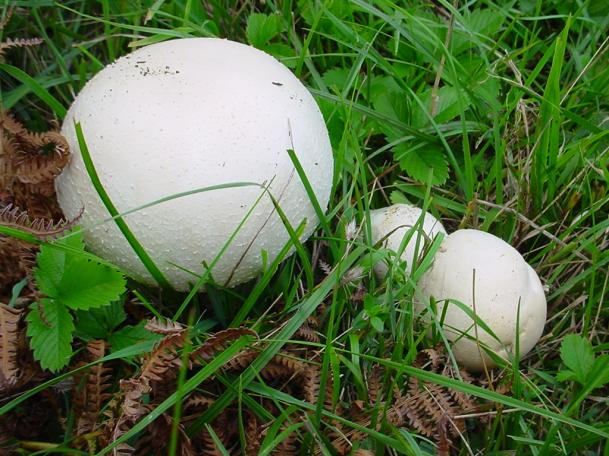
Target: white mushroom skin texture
186, 114
503, 279
391, 224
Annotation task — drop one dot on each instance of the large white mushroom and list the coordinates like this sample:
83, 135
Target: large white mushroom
186, 114
391, 224
491, 278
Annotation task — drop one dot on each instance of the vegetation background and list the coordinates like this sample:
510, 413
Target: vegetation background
491, 114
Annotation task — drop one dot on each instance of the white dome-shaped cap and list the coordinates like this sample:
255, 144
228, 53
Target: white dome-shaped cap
391, 224
191, 113
503, 281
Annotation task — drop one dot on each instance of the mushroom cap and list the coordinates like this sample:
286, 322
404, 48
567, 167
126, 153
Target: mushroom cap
185, 114
503, 280
391, 224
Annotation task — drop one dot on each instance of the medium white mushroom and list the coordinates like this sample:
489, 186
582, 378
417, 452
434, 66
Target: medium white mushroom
502, 283
391, 224
187, 114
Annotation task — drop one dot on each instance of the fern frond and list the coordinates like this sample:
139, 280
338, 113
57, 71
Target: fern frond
13, 217
218, 342
375, 385
91, 391
40, 165
168, 327
7, 17
19, 42
162, 363
9, 344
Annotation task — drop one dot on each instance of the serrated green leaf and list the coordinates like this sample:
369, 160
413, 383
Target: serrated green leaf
50, 263
50, 328
419, 159
390, 100
86, 284
599, 373
130, 335
576, 352
99, 323
336, 78
565, 375
483, 90
262, 28
484, 21
450, 102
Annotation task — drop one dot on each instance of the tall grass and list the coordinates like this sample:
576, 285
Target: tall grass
489, 114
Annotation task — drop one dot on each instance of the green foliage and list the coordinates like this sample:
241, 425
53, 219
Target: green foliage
107, 323
70, 282
372, 317
583, 367
130, 335
262, 28
100, 322
420, 160
515, 144
50, 327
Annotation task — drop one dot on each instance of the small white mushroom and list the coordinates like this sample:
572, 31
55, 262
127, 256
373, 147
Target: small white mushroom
502, 282
186, 114
391, 224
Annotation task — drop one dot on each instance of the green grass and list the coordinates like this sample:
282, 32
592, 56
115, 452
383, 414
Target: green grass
516, 143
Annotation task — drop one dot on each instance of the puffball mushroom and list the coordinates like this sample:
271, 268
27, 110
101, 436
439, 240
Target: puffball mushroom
391, 224
186, 114
503, 283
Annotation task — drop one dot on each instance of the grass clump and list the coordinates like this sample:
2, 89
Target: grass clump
489, 114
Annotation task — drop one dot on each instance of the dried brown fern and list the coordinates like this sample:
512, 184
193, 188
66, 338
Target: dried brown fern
161, 364
226, 429
425, 405
312, 387
14, 217
8, 14
282, 366
254, 434
168, 327
396, 414
312, 392
218, 342
431, 410
131, 411
157, 377
375, 385
91, 389
307, 333
36, 165
421, 414
288, 446
242, 360
197, 402
10, 335
8, 152
444, 441
17, 43
29, 162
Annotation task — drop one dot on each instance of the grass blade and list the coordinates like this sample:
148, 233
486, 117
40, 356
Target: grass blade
154, 271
